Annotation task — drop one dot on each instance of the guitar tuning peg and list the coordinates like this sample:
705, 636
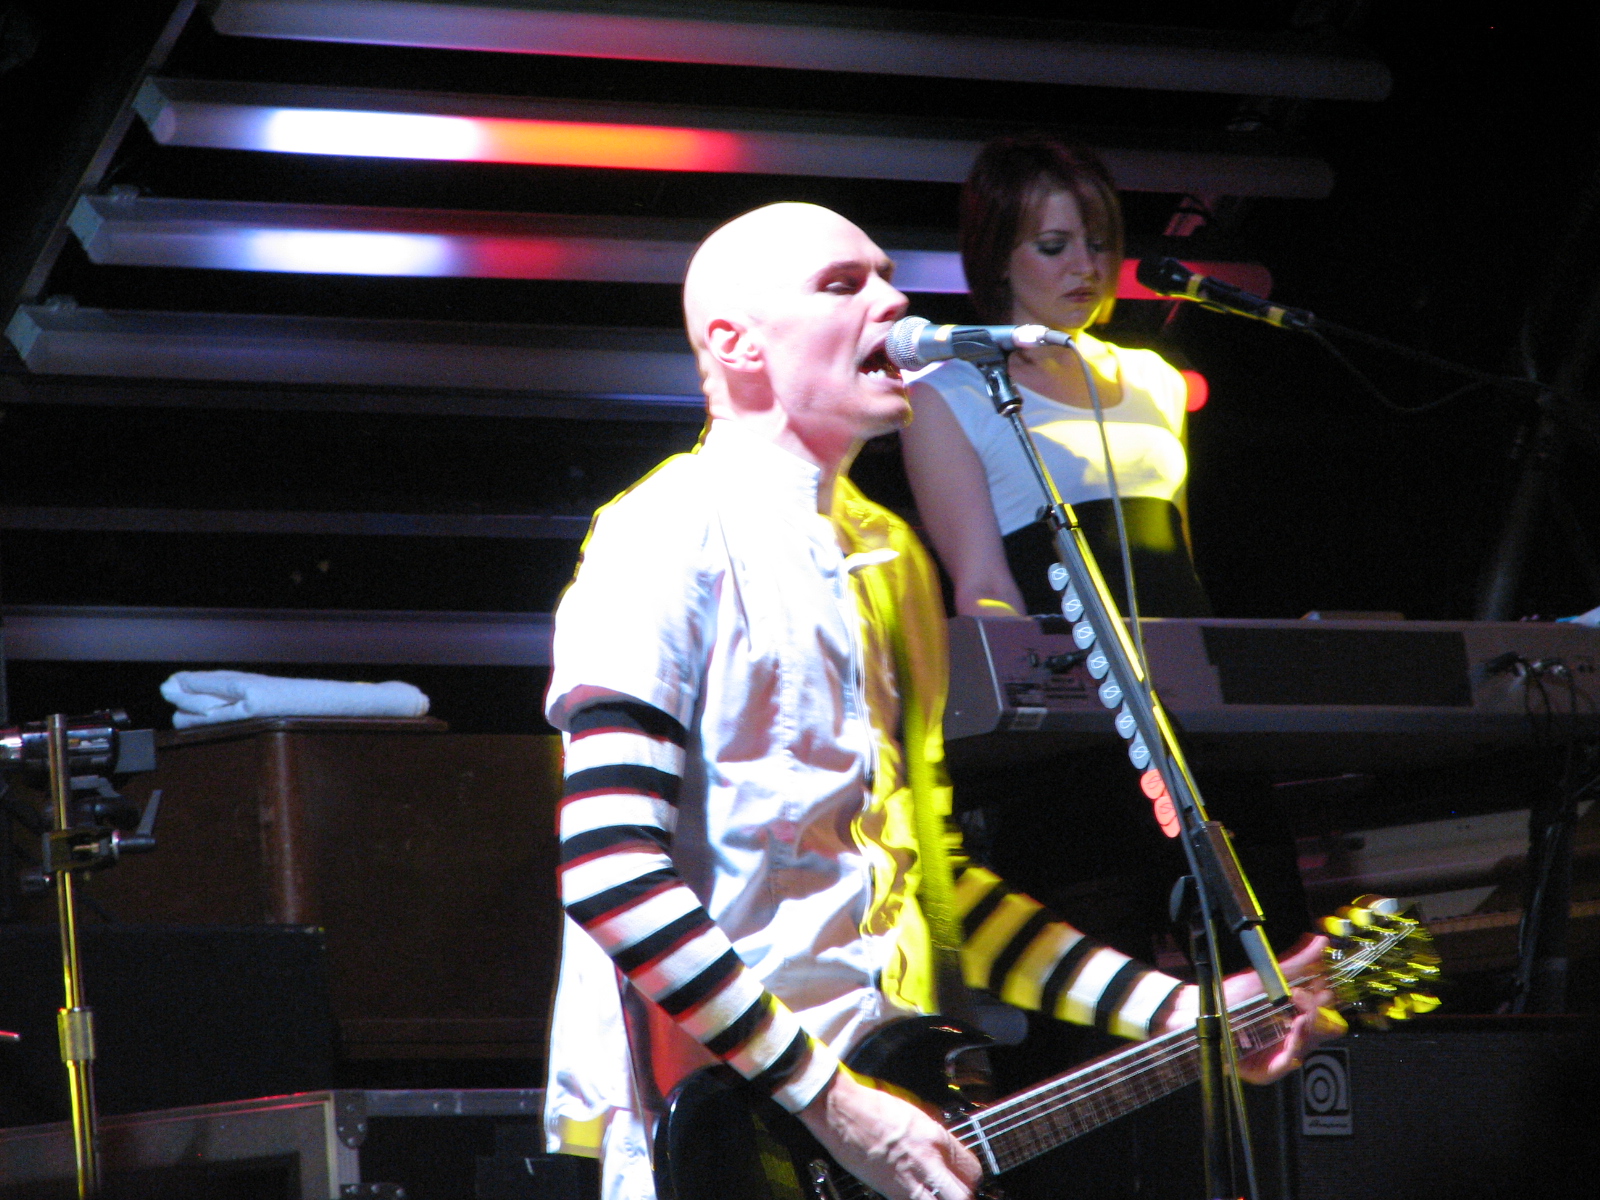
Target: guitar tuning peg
1386, 906
1339, 927
1424, 969
1422, 1002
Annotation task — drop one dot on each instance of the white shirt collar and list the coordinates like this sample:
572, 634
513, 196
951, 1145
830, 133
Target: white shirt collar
773, 473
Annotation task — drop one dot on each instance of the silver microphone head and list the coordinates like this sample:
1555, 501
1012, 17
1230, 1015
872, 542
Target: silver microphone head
901, 344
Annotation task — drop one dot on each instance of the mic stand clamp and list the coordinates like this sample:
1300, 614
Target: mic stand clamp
70, 849
1222, 893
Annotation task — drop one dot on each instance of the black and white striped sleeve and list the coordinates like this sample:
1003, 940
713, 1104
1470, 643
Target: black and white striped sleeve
624, 765
1020, 951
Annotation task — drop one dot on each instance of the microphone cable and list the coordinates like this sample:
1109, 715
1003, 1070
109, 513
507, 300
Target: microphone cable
1123, 547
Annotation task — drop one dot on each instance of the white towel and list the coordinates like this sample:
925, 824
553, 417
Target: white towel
1591, 619
208, 697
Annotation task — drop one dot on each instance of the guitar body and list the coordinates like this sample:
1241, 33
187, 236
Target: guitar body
717, 1143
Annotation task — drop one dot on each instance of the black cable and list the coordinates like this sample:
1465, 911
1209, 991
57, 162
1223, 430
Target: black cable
1405, 410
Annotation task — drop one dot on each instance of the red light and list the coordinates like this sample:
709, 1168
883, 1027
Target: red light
517, 258
1155, 789
1199, 390
635, 147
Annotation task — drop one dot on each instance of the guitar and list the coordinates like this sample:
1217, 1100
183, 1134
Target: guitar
716, 1142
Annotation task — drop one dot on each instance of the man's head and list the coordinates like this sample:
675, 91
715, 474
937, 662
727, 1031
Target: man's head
787, 309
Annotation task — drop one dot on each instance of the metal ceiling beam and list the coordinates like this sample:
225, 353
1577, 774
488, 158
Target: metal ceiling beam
602, 364
130, 230
524, 404
366, 122
238, 636
818, 38
528, 526
331, 239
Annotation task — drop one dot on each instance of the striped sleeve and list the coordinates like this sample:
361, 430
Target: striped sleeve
1020, 951
624, 764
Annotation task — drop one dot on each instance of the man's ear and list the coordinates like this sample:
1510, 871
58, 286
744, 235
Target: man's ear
732, 344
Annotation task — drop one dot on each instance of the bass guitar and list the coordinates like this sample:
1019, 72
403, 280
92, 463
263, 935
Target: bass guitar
717, 1141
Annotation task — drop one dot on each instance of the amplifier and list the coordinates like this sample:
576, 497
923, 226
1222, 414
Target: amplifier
1449, 1107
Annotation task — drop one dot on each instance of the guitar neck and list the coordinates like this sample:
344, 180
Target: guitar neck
1032, 1122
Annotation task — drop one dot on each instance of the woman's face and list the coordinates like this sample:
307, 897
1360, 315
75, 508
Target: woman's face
1058, 275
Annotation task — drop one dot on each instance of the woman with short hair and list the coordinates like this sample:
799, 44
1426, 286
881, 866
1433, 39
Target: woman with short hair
1041, 243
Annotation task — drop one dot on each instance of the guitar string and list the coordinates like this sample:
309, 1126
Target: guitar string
1044, 1127
1251, 1017
1135, 1059
1249, 1013
1138, 1061
1032, 1107
1029, 1107
1062, 1094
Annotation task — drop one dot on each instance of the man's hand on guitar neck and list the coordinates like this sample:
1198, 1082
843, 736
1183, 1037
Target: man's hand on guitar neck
1305, 967
888, 1143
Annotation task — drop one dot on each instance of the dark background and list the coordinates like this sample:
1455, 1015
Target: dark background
1461, 217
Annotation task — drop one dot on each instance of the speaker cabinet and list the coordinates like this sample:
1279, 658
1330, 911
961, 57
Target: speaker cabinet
182, 1017
1457, 1108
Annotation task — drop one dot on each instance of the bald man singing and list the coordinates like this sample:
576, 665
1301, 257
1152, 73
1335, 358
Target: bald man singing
739, 862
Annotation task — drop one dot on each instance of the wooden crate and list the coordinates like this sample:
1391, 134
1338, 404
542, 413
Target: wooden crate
429, 858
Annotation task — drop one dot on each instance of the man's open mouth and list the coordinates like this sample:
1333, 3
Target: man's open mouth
877, 363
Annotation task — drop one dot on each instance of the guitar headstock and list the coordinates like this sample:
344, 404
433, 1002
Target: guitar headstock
1382, 962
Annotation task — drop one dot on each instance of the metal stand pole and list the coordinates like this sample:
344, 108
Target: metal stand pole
1542, 962
74, 1022
1216, 1160
1223, 897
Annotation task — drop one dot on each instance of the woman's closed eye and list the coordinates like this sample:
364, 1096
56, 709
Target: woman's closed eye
1055, 246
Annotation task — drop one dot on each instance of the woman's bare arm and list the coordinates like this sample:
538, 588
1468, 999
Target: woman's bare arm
952, 492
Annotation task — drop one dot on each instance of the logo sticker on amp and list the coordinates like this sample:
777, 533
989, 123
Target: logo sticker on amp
1325, 1094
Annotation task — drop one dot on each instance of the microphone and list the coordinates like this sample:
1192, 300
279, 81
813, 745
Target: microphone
1171, 278
916, 342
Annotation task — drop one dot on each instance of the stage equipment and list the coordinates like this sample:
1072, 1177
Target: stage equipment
1498, 1108
124, 228
713, 1142
644, 365
183, 1014
393, 123
1169, 277
424, 855
916, 342
320, 1145
88, 835
1116, 662
941, 46
1541, 975
211, 635
1313, 695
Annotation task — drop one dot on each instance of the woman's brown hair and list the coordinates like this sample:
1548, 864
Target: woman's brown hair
1010, 175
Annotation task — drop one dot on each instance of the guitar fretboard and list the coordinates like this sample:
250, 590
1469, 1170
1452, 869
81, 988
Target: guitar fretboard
1028, 1124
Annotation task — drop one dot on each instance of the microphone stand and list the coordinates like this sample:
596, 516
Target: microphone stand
1223, 896
75, 1020
1540, 980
